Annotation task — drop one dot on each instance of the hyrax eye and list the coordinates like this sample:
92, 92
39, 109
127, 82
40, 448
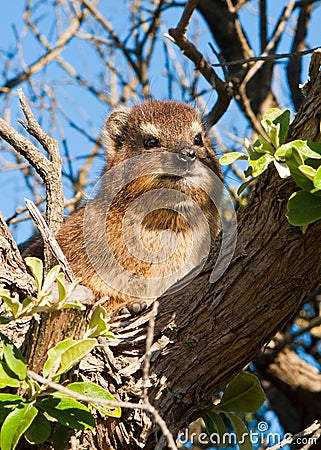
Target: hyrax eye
151, 142
198, 140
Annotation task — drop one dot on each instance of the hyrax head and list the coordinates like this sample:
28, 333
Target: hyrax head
161, 160
159, 126
166, 148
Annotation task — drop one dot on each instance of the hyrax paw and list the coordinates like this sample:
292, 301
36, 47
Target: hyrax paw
132, 308
137, 307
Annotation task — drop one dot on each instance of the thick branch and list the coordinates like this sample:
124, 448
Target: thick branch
295, 63
49, 168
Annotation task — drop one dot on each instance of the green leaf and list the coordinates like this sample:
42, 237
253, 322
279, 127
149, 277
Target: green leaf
98, 325
68, 412
13, 303
73, 305
276, 123
93, 390
284, 120
54, 357
259, 162
13, 358
230, 157
308, 171
215, 425
7, 378
303, 208
15, 424
243, 186
75, 353
50, 279
61, 287
317, 178
274, 133
36, 268
241, 431
261, 145
243, 393
301, 180
10, 398
307, 149
26, 302
66, 354
8, 402
39, 431
277, 117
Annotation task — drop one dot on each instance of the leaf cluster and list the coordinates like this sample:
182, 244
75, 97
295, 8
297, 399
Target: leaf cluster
299, 159
42, 413
52, 293
243, 394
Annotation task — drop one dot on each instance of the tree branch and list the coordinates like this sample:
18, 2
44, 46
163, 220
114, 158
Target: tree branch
49, 169
223, 89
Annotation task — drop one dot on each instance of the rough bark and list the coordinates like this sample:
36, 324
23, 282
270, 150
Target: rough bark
13, 272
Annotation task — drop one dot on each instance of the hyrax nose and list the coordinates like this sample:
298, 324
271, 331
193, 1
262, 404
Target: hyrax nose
187, 155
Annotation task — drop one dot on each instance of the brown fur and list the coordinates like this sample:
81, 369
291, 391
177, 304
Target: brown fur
175, 125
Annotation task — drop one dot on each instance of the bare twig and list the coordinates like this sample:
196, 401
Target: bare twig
13, 272
49, 168
258, 64
49, 239
238, 62
289, 337
316, 426
294, 66
49, 56
224, 90
272, 43
246, 49
185, 19
147, 356
263, 25
52, 173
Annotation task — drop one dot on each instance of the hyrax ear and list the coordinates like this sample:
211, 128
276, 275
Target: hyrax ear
116, 125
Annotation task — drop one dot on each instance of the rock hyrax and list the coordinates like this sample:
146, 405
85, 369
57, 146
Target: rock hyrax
153, 217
